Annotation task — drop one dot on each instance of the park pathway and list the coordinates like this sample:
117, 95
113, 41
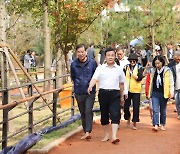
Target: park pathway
141, 141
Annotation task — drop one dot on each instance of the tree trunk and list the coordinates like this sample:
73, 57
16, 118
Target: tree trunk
3, 18
59, 67
2, 33
4, 66
66, 63
152, 28
47, 51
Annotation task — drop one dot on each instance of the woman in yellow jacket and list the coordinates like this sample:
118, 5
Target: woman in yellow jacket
161, 88
134, 75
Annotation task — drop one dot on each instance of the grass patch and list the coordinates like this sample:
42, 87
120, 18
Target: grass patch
50, 137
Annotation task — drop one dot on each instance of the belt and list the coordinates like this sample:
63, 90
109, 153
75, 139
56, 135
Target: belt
107, 90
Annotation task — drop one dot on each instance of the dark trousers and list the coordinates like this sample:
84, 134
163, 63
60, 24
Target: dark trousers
85, 105
109, 106
135, 97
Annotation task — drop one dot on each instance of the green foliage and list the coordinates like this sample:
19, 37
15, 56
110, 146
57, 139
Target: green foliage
25, 20
93, 34
124, 26
70, 19
39, 47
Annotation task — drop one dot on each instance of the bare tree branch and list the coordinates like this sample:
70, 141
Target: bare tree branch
90, 23
14, 23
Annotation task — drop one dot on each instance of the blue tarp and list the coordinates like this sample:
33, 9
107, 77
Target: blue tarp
33, 138
136, 41
62, 125
23, 145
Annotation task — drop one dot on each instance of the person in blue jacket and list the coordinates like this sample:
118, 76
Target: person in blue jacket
82, 70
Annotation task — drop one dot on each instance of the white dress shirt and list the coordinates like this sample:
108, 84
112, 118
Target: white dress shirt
123, 62
177, 86
109, 77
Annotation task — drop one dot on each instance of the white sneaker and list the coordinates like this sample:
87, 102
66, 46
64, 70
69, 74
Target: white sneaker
162, 128
155, 128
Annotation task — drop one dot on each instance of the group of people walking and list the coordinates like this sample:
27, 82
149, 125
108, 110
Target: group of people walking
119, 84
29, 61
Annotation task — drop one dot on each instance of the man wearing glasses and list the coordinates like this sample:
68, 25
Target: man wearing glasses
123, 60
134, 76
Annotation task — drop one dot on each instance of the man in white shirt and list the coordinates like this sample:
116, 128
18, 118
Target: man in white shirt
33, 63
27, 60
111, 80
123, 60
175, 68
170, 52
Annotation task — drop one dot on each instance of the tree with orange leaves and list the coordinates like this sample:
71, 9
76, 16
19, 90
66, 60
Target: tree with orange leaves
70, 18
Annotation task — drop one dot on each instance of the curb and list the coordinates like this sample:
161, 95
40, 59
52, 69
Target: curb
51, 145
55, 143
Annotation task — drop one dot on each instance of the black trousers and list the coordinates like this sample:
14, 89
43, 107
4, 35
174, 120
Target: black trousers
135, 97
110, 106
85, 105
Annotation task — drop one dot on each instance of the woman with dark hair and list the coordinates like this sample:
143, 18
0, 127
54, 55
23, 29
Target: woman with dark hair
134, 76
160, 89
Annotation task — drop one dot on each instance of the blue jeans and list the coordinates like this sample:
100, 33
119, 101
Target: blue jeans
159, 104
177, 100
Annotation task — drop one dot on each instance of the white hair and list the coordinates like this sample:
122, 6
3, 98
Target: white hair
177, 53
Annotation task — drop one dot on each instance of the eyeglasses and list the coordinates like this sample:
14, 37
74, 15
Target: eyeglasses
132, 61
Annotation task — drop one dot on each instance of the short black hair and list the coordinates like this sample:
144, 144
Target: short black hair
91, 44
160, 58
28, 51
110, 49
80, 46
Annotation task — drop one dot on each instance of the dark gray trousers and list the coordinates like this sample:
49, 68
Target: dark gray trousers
85, 105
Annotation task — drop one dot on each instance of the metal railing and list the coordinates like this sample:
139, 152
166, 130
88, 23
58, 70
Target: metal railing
32, 98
